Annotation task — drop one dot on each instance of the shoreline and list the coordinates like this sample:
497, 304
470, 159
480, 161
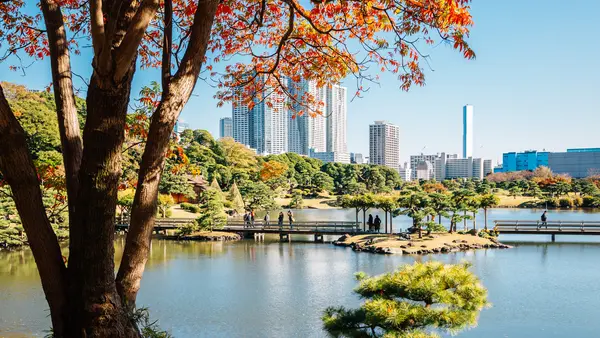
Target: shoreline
435, 243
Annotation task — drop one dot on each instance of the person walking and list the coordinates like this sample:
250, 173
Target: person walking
246, 220
544, 219
252, 217
370, 222
280, 220
377, 223
266, 219
291, 219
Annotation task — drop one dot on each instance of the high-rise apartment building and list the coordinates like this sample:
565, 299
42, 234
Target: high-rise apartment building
225, 127
405, 172
384, 144
335, 106
437, 163
305, 131
265, 126
577, 163
467, 131
240, 117
357, 158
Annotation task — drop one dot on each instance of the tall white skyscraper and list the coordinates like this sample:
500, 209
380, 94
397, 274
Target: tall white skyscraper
335, 102
226, 127
305, 131
240, 118
384, 144
467, 131
265, 127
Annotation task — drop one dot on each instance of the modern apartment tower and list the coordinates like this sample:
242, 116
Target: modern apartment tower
384, 144
240, 118
335, 106
306, 130
265, 126
467, 131
225, 127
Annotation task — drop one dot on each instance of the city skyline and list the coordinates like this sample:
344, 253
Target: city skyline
522, 87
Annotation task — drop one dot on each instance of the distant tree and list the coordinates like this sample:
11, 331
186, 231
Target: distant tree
413, 302
172, 183
388, 204
272, 170
125, 201
485, 202
473, 204
258, 196
320, 182
515, 191
458, 208
417, 206
440, 204
350, 202
297, 202
212, 215
451, 184
164, 203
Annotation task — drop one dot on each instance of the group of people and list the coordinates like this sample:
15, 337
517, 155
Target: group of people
249, 218
374, 224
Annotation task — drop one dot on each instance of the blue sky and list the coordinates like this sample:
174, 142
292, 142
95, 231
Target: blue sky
535, 85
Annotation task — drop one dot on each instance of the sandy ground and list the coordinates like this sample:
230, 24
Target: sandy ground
438, 242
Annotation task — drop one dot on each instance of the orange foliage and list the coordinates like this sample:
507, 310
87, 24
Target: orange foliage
272, 169
434, 187
276, 41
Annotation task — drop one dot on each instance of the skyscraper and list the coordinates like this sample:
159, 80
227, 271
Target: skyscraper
335, 106
225, 127
306, 131
265, 126
240, 118
467, 131
384, 144
268, 125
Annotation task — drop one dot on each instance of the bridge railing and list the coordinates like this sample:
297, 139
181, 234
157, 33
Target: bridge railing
528, 225
316, 226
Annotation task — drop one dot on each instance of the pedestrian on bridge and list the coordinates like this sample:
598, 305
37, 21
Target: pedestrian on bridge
266, 219
280, 220
544, 220
291, 219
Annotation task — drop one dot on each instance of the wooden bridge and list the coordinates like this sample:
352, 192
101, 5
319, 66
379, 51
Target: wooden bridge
316, 228
553, 228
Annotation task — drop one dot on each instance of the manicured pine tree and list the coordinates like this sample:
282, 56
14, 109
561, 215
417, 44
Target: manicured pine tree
411, 302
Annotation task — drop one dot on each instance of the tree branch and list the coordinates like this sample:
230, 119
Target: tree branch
68, 123
128, 47
97, 23
167, 45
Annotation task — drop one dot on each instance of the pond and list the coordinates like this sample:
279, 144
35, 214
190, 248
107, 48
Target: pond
272, 289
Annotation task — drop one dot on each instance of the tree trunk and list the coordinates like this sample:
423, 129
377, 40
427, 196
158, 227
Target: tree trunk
386, 221
465, 220
18, 170
474, 221
391, 223
485, 219
364, 219
415, 224
68, 123
96, 307
176, 93
440, 219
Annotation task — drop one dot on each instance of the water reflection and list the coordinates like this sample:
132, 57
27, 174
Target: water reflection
273, 289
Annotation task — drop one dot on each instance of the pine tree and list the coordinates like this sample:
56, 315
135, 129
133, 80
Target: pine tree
215, 185
410, 302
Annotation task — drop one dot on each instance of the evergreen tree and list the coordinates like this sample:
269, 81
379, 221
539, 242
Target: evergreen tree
411, 302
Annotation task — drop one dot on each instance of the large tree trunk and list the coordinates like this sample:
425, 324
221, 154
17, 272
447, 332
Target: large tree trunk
19, 171
485, 219
176, 92
96, 308
68, 123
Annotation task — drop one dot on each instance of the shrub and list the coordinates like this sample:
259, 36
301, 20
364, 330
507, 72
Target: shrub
565, 202
190, 207
577, 201
297, 201
591, 201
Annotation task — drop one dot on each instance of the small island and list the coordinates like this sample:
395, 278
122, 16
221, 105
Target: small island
430, 244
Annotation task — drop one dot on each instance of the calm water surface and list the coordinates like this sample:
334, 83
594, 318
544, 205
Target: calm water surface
272, 289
